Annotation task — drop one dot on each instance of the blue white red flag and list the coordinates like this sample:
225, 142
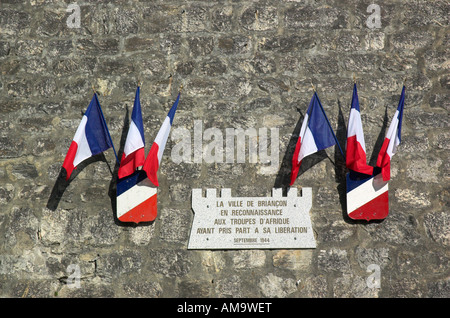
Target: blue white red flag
392, 140
356, 147
91, 138
315, 135
367, 197
153, 160
134, 153
136, 198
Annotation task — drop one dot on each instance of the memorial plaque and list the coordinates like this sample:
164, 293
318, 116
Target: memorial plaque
276, 222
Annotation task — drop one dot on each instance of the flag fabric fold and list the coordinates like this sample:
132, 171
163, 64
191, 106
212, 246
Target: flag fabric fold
134, 153
153, 160
136, 198
315, 135
356, 147
391, 140
91, 138
367, 197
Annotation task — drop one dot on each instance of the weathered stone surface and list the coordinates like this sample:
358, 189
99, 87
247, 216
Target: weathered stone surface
349, 286
194, 289
229, 287
366, 257
398, 228
276, 287
292, 260
170, 263
333, 260
6, 193
440, 289
214, 261
116, 264
175, 225
311, 17
313, 287
438, 227
249, 259
143, 289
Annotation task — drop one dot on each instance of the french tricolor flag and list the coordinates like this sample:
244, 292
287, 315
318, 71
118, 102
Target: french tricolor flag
136, 198
137, 192
392, 140
91, 138
153, 160
315, 135
134, 153
367, 195
356, 147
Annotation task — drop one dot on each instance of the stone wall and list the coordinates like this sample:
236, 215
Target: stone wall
242, 64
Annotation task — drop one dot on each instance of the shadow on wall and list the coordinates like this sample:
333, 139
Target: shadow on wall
283, 178
61, 184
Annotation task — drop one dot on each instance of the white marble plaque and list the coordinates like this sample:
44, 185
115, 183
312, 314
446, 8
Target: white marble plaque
276, 222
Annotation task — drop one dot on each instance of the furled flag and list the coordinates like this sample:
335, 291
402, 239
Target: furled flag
137, 193
91, 138
153, 160
356, 147
136, 198
315, 135
392, 140
134, 153
367, 196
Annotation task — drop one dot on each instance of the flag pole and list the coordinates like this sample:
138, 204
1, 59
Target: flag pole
104, 121
323, 111
170, 82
